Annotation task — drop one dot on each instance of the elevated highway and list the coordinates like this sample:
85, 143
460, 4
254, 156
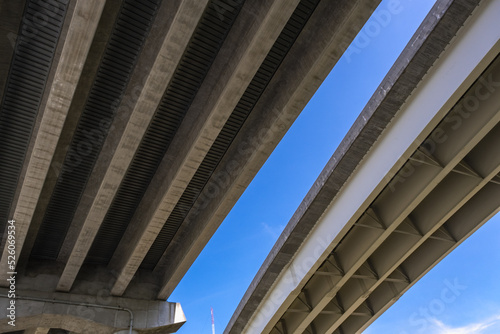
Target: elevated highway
417, 174
129, 129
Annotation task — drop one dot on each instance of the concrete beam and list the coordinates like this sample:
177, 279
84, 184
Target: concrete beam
80, 33
318, 47
103, 31
91, 314
37, 330
119, 151
253, 34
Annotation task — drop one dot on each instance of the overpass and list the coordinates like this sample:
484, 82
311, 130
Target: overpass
418, 172
129, 129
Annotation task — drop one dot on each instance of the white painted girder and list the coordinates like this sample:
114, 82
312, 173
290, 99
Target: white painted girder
439, 164
453, 192
477, 211
414, 185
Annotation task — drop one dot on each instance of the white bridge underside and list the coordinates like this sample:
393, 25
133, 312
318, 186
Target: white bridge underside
429, 182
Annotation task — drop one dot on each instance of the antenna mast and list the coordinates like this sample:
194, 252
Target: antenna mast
213, 324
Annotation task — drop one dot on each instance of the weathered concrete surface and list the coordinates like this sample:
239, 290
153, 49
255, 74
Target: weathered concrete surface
96, 51
108, 175
37, 330
50, 79
91, 280
77, 43
423, 49
317, 49
249, 41
144, 64
90, 314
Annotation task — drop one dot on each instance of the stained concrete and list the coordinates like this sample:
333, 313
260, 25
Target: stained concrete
77, 44
237, 61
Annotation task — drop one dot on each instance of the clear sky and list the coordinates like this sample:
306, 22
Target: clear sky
227, 265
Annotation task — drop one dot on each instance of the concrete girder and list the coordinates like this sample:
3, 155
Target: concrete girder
117, 155
151, 48
37, 330
80, 33
253, 33
287, 94
103, 31
285, 289
90, 314
13, 38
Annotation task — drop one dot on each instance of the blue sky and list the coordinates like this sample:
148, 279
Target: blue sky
223, 271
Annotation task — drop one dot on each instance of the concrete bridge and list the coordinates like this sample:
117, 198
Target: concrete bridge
417, 174
128, 130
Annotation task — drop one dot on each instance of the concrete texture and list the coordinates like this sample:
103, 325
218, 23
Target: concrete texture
37, 310
110, 174
318, 47
37, 330
77, 44
82, 91
206, 117
84, 44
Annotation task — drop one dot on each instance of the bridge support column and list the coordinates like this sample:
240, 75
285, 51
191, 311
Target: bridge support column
37, 311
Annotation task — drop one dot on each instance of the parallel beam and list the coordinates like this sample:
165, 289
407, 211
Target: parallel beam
80, 33
286, 95
20, 116
82, 92
115, 159
200, 128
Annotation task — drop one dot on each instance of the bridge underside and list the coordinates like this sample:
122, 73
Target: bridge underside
392, 204
129, 128
446, 190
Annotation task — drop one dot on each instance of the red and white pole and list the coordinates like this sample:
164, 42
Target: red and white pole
213, 323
